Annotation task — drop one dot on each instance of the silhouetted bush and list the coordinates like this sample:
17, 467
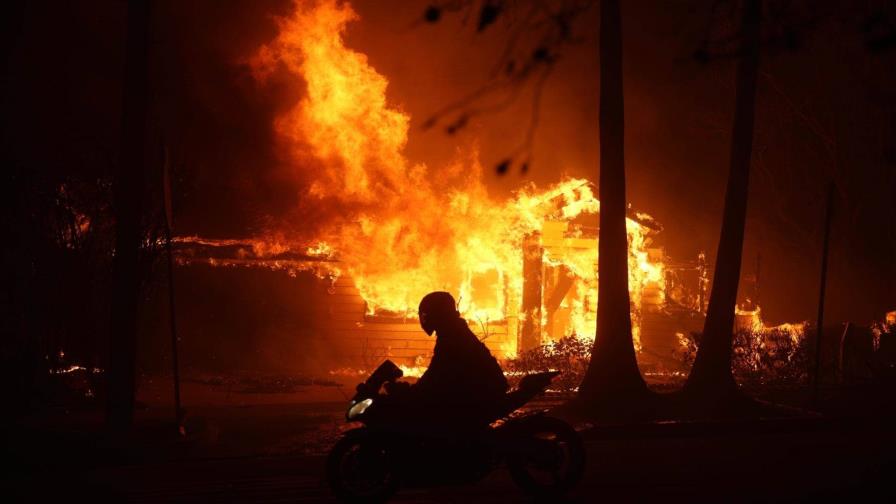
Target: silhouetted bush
776, 356
568, 355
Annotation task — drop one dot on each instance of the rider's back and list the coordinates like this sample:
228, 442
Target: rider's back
463, 375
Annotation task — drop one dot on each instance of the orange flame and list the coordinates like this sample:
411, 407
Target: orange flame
411, 230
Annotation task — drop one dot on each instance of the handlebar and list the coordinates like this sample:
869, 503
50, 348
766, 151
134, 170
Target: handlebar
386, 372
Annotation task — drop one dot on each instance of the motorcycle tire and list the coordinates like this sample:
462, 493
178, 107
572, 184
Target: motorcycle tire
358, 470
559, 471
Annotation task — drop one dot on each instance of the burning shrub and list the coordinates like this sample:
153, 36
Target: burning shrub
569, 355
776, 356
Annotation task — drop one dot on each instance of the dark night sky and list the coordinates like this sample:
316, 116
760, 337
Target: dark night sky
826, 107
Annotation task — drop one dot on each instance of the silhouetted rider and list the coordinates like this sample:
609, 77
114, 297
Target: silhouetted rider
463, 381
462, 370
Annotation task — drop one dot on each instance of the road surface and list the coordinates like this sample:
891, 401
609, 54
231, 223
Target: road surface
802, 461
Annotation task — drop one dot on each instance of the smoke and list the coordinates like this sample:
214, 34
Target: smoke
216, 121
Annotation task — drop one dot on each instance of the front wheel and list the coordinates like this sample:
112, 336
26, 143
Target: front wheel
359, 470
554, 458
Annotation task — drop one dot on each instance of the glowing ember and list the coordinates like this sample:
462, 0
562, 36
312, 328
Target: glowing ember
74, 368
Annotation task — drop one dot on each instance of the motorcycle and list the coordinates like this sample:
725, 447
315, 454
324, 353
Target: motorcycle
544, 455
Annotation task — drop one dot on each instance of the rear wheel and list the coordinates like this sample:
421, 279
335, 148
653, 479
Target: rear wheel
359, 470
553, 459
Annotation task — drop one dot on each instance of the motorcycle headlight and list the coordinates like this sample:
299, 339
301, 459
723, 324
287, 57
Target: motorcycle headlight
358, 408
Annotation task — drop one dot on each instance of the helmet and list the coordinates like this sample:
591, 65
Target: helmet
436, 308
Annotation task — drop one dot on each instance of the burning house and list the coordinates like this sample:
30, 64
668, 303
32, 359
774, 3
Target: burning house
387, 231
547, 292
524, 270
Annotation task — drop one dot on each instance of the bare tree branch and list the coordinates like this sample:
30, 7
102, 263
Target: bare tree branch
520, 65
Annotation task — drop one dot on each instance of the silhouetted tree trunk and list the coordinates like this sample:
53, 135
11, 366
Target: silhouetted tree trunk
20, 354
128, 192
613, 379
711, 373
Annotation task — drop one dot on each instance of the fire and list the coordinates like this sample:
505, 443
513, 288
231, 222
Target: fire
751, 320
75, 368
412, 371
405, 229
406, 371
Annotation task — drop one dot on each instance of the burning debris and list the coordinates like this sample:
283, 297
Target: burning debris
70, 382
257, 383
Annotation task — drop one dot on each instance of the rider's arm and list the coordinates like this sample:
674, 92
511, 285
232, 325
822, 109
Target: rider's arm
434, 376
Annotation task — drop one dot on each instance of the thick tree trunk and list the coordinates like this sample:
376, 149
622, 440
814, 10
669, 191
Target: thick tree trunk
127, 192
613, 377
711, 373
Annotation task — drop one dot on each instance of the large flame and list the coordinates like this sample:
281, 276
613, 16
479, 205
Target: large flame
404, 229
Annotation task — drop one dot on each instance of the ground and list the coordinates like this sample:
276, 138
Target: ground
269, 448
732, 463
